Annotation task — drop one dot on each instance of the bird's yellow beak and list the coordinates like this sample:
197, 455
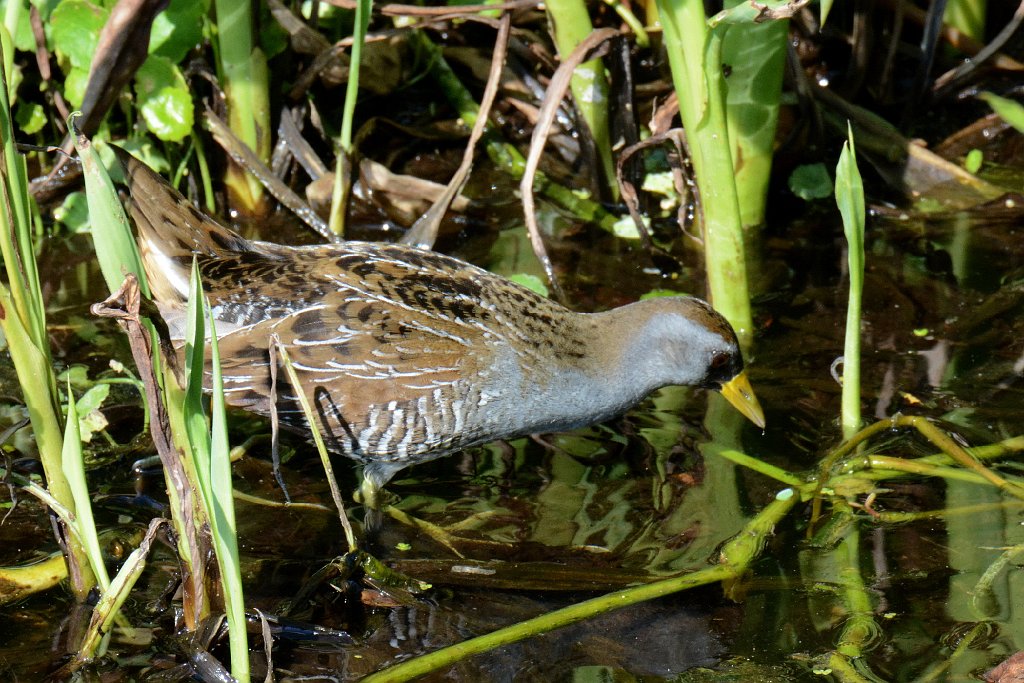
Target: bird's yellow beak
738, 392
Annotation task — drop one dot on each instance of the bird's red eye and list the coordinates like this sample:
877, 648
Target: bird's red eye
720, 360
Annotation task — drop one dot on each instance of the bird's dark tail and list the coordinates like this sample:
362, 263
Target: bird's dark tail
170, 230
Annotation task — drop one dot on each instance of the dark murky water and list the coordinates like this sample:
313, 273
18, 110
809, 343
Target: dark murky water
566, 516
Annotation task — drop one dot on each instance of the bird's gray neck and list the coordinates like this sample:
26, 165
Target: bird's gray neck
636, 349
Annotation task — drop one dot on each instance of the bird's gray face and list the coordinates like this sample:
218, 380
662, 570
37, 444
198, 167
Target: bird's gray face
702, 347
723, 365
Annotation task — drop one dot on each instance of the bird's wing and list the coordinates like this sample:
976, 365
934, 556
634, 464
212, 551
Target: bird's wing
372, 371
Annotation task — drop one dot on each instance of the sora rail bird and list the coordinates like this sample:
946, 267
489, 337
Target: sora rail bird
409, 355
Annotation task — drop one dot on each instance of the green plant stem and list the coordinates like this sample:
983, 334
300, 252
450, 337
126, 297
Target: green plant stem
860, 624
850, 198
343, 167
737, 555
168, 427
843, 568
950, 449
844, 670
768, 470
204, 174
45, 416
971, 641
984, 587
915, 466
630, 20
364, 8
318, 440
694, 55
962, 511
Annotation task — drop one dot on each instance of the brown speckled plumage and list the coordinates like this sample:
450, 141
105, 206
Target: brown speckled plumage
408, 355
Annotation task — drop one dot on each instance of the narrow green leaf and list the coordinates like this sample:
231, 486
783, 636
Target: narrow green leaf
16, 242
222, 516
194, 414
212, 457
111, 230
74, 470
1009, 110
850, 198
826, 7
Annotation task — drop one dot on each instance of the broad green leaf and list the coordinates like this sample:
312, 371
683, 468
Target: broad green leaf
531, 282
77, 376
756, 55
91, 423
164, 99
746, 13
75, 31
660, 182
22, 35
93, 398
145, 151
30, 117
178, 29
75, 83
810, 181
90, 419
625, 228
73, 213
973, 161
274, 40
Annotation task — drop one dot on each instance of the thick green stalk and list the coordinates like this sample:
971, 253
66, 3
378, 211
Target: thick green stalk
23, 320
243, 72
695, 58
45, 416
570, 24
